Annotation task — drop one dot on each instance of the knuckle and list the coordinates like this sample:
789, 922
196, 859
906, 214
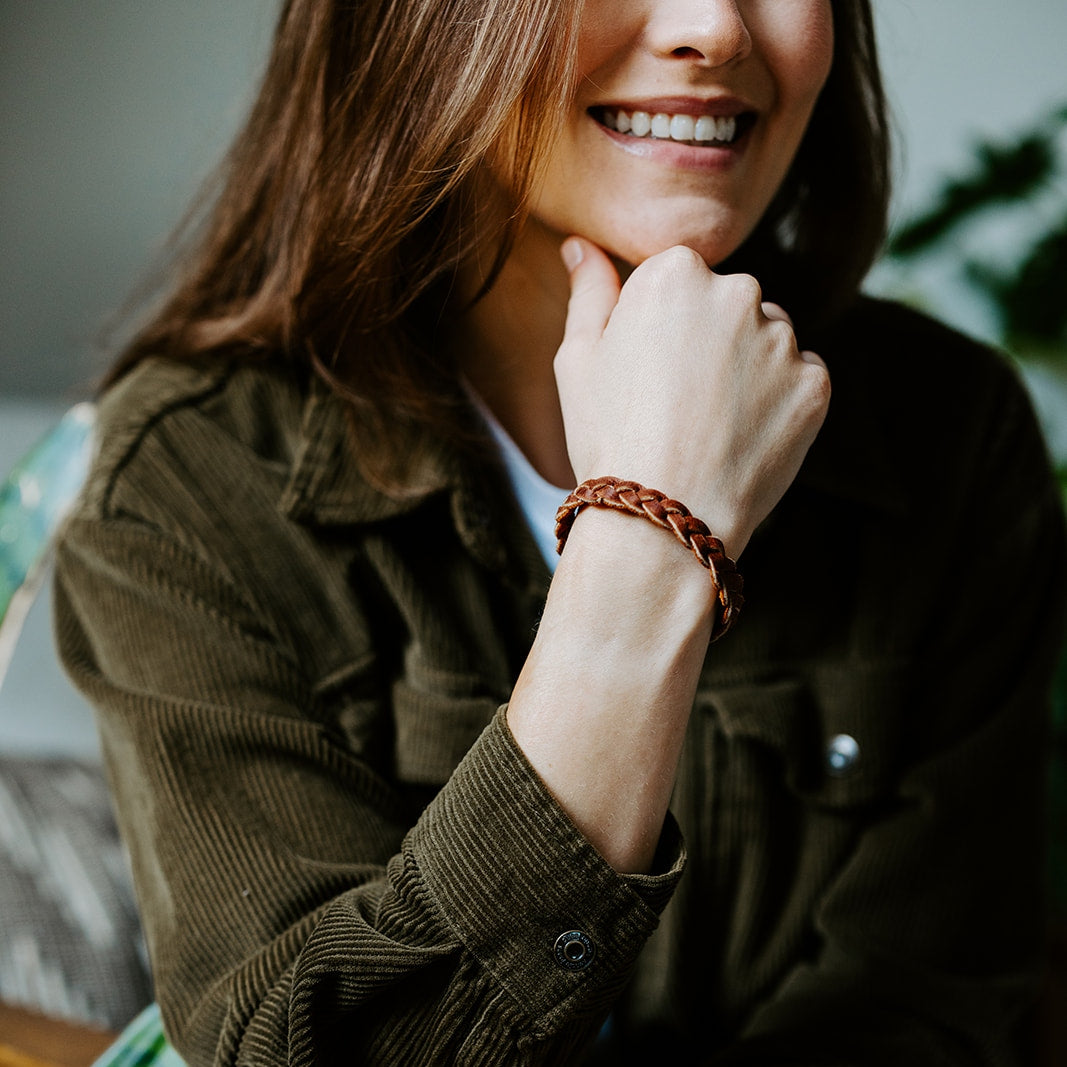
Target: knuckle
775, 312
817, 387
782, 335
746, 290
667, 267
681, 257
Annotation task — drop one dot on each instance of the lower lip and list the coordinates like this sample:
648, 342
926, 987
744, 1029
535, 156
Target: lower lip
675, 154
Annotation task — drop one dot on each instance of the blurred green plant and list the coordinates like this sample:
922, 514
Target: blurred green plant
1028, 298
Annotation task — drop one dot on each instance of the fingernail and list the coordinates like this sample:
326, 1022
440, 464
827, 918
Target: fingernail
571, 251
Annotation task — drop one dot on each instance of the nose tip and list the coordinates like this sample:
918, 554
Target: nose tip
711, 33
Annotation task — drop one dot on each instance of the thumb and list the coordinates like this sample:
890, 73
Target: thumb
595, 290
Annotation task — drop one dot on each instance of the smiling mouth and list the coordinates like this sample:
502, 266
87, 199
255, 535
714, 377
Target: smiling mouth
698, 130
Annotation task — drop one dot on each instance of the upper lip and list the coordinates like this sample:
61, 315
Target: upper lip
716, 106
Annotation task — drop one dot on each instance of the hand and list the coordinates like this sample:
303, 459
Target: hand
686, 381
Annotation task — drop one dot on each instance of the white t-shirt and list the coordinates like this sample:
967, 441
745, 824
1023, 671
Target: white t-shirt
538, 499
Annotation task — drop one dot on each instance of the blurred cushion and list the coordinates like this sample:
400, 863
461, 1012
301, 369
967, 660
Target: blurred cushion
70, 939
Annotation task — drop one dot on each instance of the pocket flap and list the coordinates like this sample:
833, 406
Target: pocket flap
836, 728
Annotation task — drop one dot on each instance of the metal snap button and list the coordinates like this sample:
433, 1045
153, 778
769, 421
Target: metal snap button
842, 755
574, 950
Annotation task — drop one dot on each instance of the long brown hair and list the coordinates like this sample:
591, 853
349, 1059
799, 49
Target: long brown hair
352, 196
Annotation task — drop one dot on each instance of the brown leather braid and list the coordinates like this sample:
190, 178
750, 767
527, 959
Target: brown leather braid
657, 507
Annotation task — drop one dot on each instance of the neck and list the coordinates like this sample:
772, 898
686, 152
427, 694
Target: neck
506, 345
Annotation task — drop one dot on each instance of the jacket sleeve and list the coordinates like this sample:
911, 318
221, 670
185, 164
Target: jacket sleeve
296, 912
932, 933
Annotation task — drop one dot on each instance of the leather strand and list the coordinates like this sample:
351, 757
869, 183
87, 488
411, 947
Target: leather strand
657, 507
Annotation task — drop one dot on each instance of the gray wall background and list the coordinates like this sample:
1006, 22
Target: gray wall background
114, 110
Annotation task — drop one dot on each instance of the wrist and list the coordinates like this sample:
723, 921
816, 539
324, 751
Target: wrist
620, 573
674, 518
610, 680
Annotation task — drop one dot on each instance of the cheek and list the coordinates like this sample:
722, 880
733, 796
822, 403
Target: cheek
607, 35
800, 46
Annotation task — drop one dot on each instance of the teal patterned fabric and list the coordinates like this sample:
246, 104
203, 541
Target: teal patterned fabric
35, 497
142, 1044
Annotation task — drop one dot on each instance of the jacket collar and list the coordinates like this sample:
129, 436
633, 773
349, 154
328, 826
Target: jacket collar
325, 488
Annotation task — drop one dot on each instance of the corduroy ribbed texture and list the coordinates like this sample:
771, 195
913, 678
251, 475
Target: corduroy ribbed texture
342, 857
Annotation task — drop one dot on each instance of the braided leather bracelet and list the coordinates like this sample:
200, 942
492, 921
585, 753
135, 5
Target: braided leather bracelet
608, 492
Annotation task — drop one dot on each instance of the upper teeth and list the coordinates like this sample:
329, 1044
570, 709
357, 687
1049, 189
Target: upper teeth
704, 128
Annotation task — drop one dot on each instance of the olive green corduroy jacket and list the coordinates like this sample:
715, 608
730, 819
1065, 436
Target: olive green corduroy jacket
342, 857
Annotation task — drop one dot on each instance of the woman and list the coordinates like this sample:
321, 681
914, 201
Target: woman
306, 572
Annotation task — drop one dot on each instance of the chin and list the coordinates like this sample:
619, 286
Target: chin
632, 250
715, 240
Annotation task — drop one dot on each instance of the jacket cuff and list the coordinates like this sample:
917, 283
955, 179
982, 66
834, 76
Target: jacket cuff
526, 893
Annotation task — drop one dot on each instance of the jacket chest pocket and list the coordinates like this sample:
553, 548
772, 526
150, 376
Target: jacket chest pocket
832, 736
434, 728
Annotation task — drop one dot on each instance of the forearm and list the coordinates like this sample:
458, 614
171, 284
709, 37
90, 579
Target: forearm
601, 706
681, 381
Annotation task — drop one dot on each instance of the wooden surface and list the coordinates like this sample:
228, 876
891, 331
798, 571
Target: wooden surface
31, 1040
